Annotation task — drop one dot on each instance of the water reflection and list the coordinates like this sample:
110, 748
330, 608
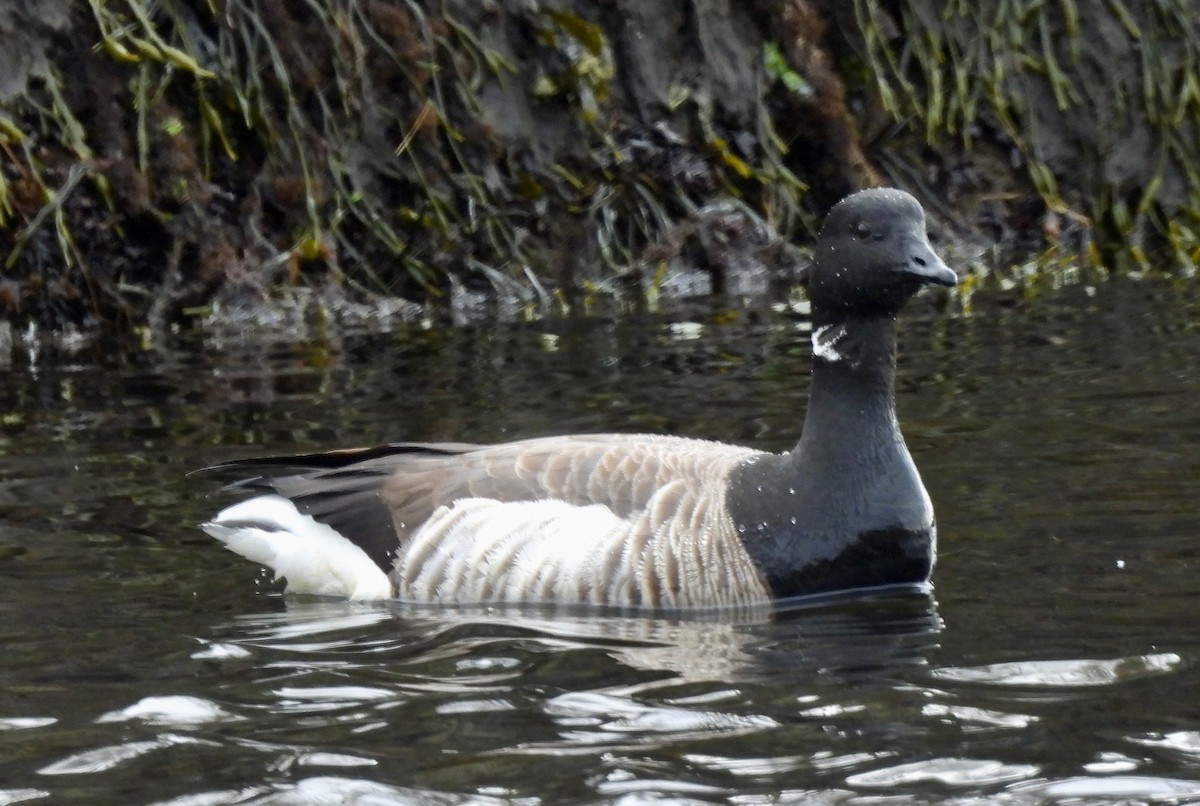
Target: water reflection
951, 772
1064, 673
103, 759
321, 790
539, 684
862, 634
178, 711
1105, 790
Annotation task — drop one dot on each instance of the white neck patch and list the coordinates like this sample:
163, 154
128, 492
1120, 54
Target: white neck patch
825, 340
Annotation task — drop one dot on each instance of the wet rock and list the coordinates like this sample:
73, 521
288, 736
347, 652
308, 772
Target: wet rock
297, 314
723, 247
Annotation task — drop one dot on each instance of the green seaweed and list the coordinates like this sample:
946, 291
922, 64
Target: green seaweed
349, 136
976, 60
777, 67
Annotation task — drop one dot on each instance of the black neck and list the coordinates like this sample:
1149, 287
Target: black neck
864, 347
849, 485
852, 400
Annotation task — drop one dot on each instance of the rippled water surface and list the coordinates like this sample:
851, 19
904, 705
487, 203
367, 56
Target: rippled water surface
1055, 662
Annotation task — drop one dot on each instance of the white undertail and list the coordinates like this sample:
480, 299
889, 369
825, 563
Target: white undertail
314, 558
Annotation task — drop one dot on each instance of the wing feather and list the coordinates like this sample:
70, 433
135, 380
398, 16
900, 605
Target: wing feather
624, 520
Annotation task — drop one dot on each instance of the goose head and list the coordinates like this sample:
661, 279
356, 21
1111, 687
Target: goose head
873, 254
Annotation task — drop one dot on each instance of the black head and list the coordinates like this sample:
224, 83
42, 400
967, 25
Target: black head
873, 255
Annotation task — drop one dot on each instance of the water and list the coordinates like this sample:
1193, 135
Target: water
1055, 661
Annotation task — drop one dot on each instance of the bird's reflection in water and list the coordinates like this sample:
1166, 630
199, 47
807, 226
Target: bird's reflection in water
861, 633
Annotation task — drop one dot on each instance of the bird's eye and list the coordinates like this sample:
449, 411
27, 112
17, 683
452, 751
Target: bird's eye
861, 230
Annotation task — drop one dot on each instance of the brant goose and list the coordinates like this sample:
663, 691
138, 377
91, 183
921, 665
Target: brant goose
639, 521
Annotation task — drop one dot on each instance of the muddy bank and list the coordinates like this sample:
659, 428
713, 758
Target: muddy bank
171, 164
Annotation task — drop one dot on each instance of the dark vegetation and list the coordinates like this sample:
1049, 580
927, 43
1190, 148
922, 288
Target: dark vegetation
164, 162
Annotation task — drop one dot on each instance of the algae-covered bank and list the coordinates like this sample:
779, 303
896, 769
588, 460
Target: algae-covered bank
164, 162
